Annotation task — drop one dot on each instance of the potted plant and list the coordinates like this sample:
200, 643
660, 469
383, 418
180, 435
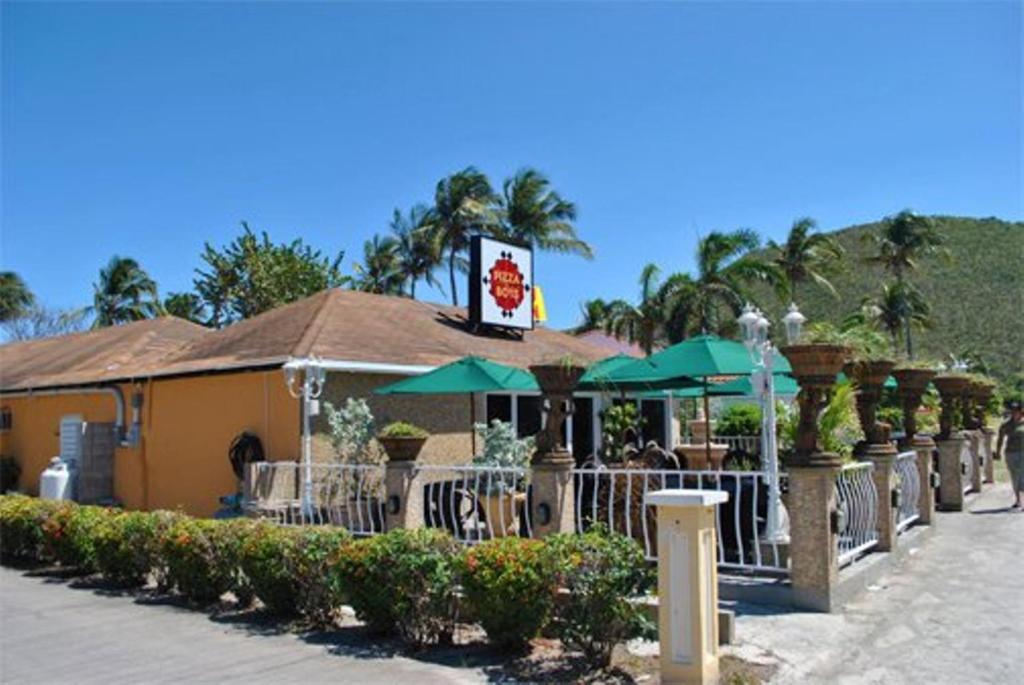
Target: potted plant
869, 367
402, 441
815, 364
912, 381
557, 381
951, 387
502, 492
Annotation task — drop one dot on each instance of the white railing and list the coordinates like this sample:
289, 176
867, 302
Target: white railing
616, 498
857, 502
908, 483
347, 495
967, 466
476, 503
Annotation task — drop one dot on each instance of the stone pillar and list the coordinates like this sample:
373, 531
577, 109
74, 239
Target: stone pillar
814, 544
552, 505
687, 584
988, 453
884, 479
951, 491
925, 447
974, 441
403, 491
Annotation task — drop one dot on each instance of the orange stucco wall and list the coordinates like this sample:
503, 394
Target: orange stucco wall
187, 426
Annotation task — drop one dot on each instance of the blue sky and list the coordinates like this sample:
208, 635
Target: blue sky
146, 129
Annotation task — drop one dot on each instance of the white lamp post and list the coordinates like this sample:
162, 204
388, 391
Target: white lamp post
313, 377
755, 336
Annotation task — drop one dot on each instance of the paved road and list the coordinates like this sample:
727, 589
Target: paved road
953, 612
52, 633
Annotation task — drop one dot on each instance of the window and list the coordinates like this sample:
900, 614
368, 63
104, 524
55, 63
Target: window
6, 419
499, 407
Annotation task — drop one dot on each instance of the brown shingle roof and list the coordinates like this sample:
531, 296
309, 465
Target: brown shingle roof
352, 326
96, 356
339, 325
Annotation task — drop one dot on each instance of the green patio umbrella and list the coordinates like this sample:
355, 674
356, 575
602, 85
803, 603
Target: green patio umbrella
599, 376
468, 375
701, 358
739, 387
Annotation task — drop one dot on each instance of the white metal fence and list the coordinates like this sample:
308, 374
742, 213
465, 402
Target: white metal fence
857, 502
615, 498
908, 483
348, 495
476, 503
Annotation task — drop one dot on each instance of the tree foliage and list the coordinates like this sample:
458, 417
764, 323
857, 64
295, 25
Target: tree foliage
43, 322
15, 297
188, 306
124, 293
533, 213
380, 271
805, 256
252, 275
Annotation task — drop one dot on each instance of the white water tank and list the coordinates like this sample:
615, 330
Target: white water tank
56, 482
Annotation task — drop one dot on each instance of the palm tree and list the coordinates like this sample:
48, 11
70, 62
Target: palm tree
380, 271
188, 306
534, 214
724, 268
418, 253
124, 293
896, 304
15, 297
464, 204
897, 246
595, 313
645, 322
806, 256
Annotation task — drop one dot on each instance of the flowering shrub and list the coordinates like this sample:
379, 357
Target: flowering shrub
601, 572
403, 582
265, 557
315, 573
127, 546
21, 528
510, 586
202, 558
69, 534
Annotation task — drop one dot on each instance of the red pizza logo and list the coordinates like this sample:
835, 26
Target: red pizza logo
506, 284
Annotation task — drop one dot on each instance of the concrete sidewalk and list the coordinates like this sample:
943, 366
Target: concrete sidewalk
53, 633
953, 612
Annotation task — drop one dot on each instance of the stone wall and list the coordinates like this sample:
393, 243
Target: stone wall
447, 418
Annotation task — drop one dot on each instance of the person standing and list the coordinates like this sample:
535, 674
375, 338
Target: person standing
1011, 432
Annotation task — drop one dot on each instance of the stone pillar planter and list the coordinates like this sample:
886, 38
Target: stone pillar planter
910, 388
813, 535
870, 377
951, 442
814, 367
988, 451
982, 391
552, 505
812, 500
403, 491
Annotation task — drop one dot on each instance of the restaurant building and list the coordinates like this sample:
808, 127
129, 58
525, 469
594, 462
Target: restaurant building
149, 409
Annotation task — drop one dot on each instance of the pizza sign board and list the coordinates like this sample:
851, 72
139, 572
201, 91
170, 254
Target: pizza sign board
500, 283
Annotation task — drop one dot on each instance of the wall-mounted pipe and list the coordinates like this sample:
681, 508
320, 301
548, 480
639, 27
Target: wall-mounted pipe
123, 438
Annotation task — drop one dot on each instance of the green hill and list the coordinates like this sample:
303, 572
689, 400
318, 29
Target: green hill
977, 296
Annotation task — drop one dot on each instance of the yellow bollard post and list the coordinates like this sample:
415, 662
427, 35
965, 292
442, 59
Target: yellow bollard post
687, 584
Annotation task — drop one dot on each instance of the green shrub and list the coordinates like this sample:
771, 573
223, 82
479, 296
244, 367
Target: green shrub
892, 416
510, 587
739, 419
202, 557
403, 582
403, 429
601, 572
316, 574
69, 535
266, 556
128, 546
21, 528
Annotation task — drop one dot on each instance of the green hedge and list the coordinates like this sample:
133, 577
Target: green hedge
405, 582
